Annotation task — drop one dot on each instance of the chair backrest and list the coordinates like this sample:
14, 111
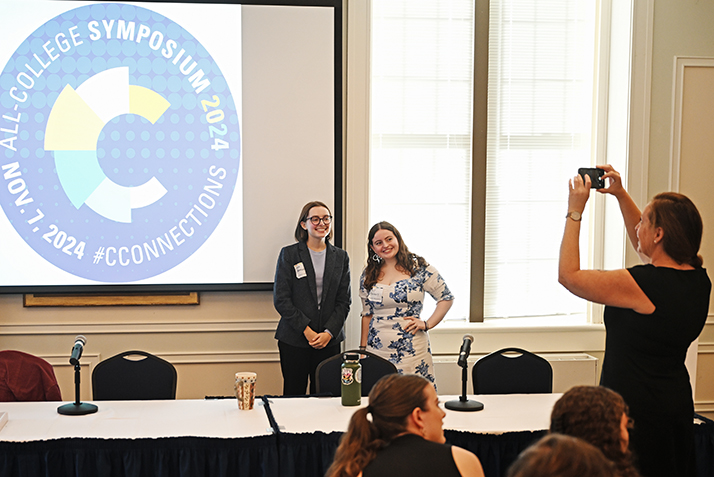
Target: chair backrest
523, 373
328, 373
24, 377
123, 377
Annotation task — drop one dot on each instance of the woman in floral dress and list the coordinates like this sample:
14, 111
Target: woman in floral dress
392, 289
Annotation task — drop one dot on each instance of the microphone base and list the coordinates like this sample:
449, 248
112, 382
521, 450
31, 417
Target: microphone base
468, 405
74, 409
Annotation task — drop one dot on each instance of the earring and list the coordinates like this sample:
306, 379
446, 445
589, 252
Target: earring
376, 258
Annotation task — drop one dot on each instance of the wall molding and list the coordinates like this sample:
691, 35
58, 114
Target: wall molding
446, 338
680, 64
254, 356
138, 327
134, 299
90, 360
703, 406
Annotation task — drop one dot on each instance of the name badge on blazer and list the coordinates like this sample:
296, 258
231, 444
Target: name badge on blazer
300, 270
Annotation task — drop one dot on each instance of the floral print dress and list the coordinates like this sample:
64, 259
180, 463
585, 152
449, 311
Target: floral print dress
388, 305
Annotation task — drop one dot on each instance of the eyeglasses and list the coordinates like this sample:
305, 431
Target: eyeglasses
315, 220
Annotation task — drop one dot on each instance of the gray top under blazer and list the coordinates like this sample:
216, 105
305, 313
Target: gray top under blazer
296, 298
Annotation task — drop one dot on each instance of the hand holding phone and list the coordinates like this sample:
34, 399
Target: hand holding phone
596, 180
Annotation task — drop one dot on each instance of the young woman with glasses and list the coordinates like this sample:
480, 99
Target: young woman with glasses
312, 295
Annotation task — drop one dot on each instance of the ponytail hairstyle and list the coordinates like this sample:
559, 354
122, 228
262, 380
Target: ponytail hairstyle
679, 218
301, 233
407, 262
391, 401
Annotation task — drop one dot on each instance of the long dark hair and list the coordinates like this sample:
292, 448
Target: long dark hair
682, 226
594, 414
407, 262
391, 401
301, 233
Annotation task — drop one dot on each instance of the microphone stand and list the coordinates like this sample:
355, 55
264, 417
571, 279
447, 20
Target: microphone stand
464, 404
77, 408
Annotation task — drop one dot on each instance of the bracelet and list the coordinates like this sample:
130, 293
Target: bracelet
363, 348
426, 325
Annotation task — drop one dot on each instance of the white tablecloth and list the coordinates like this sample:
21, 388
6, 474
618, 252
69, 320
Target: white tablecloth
30, 421
501, 413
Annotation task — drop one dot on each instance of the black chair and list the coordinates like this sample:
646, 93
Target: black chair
520, 373
328, 373
124, 377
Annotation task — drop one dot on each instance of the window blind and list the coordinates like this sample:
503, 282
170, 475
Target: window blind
540, 120
421, 113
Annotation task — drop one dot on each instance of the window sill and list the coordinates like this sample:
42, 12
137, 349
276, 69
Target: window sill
492, 335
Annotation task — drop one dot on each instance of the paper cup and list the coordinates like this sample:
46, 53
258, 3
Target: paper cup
245, 390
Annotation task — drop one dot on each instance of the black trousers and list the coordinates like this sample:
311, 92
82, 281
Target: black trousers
299, 363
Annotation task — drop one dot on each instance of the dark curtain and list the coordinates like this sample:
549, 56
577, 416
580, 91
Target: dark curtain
166, 457
282, 454
495, 451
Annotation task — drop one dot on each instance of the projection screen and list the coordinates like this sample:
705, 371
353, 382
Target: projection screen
155, 146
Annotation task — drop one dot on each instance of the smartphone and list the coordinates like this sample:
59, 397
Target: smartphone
596, 180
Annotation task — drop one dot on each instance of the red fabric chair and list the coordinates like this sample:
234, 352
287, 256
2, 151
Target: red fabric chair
24, 377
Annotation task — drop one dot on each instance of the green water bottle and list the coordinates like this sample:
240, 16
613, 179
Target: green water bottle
351, 380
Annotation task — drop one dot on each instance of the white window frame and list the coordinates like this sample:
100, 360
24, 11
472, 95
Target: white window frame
635, 21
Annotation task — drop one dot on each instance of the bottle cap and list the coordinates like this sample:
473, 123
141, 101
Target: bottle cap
351, 357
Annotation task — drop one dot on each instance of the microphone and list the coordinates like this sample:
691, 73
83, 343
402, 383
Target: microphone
465, 350
77, 408
463, 403
79, 343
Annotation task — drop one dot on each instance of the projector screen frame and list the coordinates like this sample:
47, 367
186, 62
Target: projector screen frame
148, 289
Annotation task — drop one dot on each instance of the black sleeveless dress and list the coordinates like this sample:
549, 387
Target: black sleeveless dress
414, 456
644, 362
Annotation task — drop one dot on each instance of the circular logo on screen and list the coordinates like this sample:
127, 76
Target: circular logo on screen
120, 142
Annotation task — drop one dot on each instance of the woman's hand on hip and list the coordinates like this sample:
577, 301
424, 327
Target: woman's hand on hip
413, 324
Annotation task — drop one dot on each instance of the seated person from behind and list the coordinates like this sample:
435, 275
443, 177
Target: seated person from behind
400, 433
599, 416
556, 455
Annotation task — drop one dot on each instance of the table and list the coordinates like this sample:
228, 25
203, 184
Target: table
310, 429
195, 438
189, 438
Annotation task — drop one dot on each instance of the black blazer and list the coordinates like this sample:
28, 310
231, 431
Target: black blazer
296, 298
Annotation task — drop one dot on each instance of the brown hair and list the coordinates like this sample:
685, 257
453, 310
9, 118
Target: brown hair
301, 233
556, 455
682, 226
391, 401
594, 414
407, 262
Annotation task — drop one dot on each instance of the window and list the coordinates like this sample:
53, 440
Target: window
540, 117
420, 170
541, 94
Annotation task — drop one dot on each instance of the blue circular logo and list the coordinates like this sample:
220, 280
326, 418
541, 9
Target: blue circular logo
121, 143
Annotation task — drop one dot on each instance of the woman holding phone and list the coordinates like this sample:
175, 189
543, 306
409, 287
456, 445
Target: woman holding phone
312, 295
653, 313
